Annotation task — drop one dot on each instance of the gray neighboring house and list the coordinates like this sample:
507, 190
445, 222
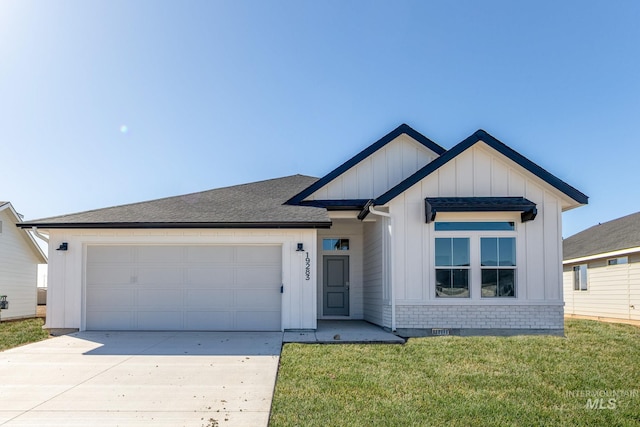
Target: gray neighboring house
601, 270
19, 259
405, 234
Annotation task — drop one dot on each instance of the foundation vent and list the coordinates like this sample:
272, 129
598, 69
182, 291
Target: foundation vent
439, 331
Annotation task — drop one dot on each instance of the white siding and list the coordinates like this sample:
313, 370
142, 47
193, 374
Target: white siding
66, 292
479, 172
352, 230
379, 172
373, 274
18, 269
613, 291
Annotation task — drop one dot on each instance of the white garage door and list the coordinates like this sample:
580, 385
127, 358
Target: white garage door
213, 288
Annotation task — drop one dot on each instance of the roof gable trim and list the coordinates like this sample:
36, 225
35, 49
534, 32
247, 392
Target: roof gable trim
498, 146
402, 129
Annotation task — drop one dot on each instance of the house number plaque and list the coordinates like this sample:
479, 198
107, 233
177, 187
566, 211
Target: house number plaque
307, 267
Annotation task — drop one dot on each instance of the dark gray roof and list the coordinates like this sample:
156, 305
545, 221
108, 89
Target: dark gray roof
255, 205
621, 233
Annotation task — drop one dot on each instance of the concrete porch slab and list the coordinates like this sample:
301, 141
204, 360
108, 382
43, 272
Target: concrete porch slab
343, 332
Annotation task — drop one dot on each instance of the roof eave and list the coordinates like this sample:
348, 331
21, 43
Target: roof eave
178, 225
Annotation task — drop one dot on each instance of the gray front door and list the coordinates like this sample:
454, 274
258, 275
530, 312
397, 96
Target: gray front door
335, 289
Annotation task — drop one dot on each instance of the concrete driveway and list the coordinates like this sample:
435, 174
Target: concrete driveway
141, 378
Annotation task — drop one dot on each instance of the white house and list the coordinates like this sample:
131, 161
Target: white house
602, 270
406, 235
19, 259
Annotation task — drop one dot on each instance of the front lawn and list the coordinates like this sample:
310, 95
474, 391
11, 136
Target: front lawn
18, 332
470, 381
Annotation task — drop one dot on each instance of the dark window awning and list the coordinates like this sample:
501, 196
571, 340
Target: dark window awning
480, 204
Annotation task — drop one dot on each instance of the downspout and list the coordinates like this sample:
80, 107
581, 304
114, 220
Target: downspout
393, 294
39, 234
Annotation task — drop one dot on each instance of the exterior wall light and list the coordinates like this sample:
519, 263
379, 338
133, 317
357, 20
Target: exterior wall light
300, 248
63, 246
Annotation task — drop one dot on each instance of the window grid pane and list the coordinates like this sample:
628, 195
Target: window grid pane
452, 283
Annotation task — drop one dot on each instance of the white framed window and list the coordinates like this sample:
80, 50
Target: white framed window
580, 279
618, 261
452, 267
475, 259
498, 266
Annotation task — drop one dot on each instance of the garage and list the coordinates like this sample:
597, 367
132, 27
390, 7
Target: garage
183, 287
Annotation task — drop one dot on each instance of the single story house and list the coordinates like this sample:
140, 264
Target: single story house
602, 270
19, 259
405, 235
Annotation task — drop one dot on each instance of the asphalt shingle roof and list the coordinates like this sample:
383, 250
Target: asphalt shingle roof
258, 204
621, 233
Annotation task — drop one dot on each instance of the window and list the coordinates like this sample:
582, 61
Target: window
580, 277
335, 244
498, 266
618, 261
452, 267
475, 259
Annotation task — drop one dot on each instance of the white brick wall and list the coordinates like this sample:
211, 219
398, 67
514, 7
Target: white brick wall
480, 317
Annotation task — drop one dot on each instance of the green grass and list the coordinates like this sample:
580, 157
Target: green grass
18, 332
470, 381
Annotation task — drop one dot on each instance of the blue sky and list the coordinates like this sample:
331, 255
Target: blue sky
110, 102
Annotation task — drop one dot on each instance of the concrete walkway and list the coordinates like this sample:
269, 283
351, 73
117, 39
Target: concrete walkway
344, 332
96, 379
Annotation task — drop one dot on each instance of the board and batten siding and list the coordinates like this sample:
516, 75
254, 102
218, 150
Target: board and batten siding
379, 172
613, 291
18, 270
373, 272
479, 172
67, 269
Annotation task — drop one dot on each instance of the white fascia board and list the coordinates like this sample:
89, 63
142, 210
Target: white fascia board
611, 254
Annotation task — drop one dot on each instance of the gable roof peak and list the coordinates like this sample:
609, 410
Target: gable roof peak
500, 147
402, 129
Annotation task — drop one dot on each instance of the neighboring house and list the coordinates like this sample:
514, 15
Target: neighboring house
405, 234
19, 259
602, 270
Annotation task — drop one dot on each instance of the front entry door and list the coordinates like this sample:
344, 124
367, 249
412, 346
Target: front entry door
335, 289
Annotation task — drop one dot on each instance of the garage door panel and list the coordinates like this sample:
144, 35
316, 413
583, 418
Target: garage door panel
109, 320
163, 320
258, 320
160, 254
184, 288
210, 320
160, 275
257, 299
160, 298
110, 254
209, 299
111, 297
210, 254
221, 277
258, 254
258, 276
113, 274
